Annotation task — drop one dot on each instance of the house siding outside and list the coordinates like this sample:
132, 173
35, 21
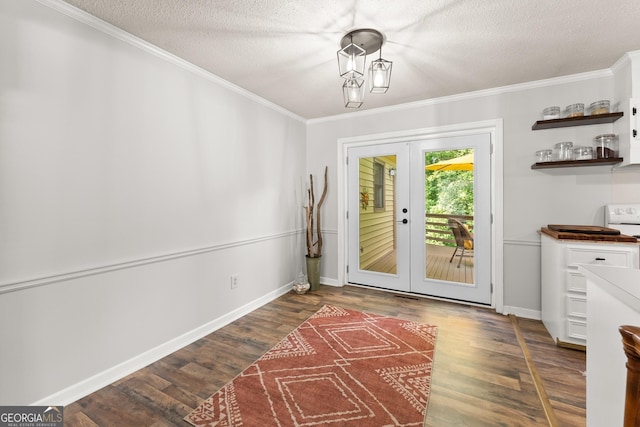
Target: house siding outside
377, 225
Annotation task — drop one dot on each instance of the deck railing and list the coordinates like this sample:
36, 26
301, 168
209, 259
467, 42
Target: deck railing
437, 231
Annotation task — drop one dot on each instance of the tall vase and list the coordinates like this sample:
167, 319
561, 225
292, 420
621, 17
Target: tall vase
313, 272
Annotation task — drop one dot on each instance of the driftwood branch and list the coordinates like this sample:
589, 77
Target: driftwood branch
324, 193
309, 213
314, 249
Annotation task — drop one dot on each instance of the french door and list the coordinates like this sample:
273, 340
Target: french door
403, 204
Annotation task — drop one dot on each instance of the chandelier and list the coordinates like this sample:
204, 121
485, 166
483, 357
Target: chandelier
355, 46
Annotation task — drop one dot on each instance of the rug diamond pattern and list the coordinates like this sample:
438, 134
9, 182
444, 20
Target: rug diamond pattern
340, 368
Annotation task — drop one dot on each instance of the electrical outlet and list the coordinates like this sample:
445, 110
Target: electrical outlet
234, 281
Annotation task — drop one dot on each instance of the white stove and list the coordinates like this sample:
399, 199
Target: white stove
624, 217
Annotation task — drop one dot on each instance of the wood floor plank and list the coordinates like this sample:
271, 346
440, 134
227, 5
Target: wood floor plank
140, 391
480, 377
79, 419
111, 406
185, 396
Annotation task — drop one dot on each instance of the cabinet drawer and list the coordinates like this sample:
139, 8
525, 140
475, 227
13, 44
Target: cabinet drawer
576, 282
612, 257
576, 329
577, 306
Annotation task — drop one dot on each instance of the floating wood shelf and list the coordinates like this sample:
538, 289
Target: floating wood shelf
577, 121
577, 163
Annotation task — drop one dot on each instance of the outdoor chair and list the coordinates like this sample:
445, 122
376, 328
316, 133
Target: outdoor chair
464, 239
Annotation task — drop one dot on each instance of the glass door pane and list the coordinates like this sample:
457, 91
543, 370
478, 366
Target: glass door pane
377, 222
449, 213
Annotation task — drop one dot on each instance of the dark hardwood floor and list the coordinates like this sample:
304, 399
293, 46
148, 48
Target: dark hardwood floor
480, 375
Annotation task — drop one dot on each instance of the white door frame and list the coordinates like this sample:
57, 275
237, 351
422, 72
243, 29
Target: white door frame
494, 127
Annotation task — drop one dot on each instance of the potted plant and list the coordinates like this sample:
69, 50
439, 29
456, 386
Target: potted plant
314, 246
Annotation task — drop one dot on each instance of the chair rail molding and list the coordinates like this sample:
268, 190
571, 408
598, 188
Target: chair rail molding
519, 242
13, 286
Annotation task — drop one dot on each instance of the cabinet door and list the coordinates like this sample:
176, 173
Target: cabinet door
628, 130
577, 306
576, 282
576, 332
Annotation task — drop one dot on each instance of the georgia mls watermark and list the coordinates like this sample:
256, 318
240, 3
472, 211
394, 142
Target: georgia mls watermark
31, 416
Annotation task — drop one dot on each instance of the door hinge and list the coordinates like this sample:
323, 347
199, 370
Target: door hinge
347, 214
347, 268
491, 148
346, 160
634, 111
635, 133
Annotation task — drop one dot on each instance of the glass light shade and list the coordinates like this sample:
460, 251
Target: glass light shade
379, 75
351, 61
353, 92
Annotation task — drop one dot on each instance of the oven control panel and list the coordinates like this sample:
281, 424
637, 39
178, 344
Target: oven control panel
622, 213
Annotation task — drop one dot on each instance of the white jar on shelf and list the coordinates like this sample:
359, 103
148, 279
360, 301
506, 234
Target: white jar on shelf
583, 153
544, 156
563, 151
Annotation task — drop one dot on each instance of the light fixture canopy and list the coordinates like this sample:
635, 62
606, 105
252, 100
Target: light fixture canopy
353, 93
354, 47
368, 39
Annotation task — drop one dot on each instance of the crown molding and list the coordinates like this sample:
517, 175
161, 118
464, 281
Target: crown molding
573, 78
626, 59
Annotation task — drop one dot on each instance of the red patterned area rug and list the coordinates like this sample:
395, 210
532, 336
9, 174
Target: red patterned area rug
339, 368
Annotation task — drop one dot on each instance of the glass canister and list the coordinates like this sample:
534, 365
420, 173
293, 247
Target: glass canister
606, 146
563, 151
583, 153
544, 156
600, 107
551, 113
574, 110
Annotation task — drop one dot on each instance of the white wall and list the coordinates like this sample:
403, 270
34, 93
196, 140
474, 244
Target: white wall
132, 186
532, 198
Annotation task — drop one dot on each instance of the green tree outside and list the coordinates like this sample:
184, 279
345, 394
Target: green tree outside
447, 192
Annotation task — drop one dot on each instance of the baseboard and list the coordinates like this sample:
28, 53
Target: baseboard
83, 388
330, 282
522, 312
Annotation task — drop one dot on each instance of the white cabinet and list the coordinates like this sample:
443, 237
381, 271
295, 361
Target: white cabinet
564, 288
614, 300
629, 132
626, 78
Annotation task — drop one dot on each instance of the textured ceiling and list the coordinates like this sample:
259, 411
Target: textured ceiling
285, 50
